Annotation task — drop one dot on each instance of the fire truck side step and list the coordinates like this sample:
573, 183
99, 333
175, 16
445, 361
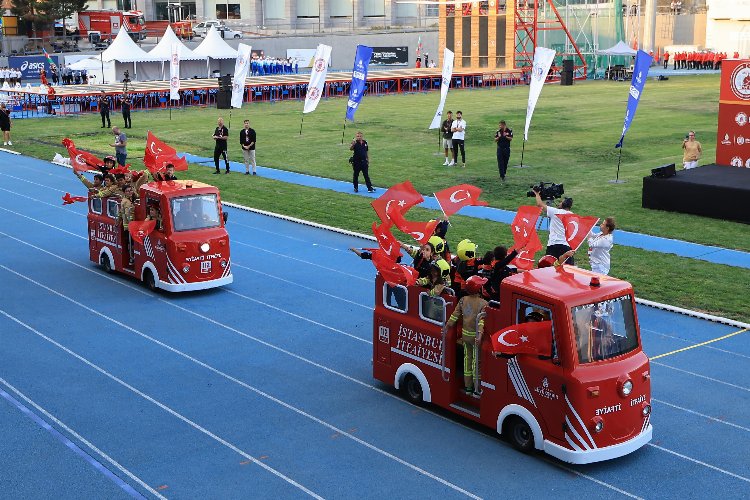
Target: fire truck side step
465, 408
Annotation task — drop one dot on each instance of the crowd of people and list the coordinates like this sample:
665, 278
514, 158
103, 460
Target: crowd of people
262, 65
66, 76
704, 59
11, 76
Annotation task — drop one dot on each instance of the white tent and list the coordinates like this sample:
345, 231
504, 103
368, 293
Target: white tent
214, 47
191, 64
94, 66
620, 49
126, 54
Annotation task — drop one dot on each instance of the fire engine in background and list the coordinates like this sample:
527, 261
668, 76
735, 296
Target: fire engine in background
583, 397
106, 23
188, 250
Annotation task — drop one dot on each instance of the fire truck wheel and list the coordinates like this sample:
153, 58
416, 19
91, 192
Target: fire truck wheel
413, 389
149, 280
519, 434
105, 263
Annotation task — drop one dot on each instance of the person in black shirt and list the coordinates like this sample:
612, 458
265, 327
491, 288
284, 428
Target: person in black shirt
247, 142
447, 135
126, 103
503, 136
221, 133
360, 162
104, 109
166, 176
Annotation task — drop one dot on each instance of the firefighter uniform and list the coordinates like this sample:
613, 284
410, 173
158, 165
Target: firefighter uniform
467, 310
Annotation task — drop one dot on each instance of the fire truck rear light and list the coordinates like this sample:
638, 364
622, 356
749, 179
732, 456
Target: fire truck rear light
223, 263
627, 387
646, 410
597, 423
185, 269
205, 247
594, 391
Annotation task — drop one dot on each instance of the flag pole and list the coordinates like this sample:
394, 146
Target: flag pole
300, 124
343, 132
441, 206
523, 148
617, 179
230, 119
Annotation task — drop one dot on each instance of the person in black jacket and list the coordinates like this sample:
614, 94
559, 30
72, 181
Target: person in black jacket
500, 271
361, 162
104, 109
221, 133
126, 104
247, 142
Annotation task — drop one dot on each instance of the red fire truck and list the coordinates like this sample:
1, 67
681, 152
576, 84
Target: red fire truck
107, 23
188, 250
586, 399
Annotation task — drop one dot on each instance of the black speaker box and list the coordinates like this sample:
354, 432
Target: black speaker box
567, 65
566, 78
223, 99
664, 172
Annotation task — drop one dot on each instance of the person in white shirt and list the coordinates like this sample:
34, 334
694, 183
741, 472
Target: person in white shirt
557, 244
600, 245
459, 133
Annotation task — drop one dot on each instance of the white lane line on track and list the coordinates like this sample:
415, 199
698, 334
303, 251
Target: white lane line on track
73, 433
333, 270
145, 396
709, 417
296, 356
44, 223
227, 377
31, 182
294, 238
300, 285
699, 462
307, 361
658, 363
303, 318
61, 207
713, 348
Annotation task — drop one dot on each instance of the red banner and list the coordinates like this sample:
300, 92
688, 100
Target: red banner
733, 131
454, 198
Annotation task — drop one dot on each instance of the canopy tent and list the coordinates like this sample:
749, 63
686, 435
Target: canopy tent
214, 47
619, 49
191, 64
125, 53
95, 66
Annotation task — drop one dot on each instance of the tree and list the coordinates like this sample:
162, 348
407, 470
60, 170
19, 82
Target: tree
41, 13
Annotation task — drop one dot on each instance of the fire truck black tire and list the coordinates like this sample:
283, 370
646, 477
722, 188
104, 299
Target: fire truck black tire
413, 389
105, 263
149, 280
520, 435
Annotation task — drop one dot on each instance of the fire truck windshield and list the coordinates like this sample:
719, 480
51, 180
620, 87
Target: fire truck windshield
195, 212
137, 20
604, 329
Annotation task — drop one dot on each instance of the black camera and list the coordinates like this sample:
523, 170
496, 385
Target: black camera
547, 190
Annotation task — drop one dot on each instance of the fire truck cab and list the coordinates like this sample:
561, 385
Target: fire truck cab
587, 401
108, 22
188, 249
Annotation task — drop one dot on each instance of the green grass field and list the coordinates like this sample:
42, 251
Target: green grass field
571, 141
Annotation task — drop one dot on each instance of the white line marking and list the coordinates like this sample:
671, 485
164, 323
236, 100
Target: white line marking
709, 417
73, 433
300, 285
61, 207
713, 348
30, 182
145, 396
44, 223
303, 318
311, 243
227, 377
597, 481
699, 462
746, 389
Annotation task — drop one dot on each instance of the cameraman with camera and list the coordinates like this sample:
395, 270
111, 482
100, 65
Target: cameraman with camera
557, 244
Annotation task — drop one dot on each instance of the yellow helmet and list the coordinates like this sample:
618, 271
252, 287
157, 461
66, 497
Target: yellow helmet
466, 250
437, 243
443, 267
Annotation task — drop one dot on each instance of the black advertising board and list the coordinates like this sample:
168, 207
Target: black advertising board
390, 56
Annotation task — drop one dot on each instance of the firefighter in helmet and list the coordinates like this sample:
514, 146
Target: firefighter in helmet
466, 263
468, 310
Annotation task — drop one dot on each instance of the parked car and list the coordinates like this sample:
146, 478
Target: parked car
201, 29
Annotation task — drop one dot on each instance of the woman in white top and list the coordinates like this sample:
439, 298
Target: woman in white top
600, 245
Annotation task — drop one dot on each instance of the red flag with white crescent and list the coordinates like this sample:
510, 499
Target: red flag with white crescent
534, 337
402, 195
577, 228
420, 231
525, 237
69, 200
158, 154
81, 161
526, 259
139, 229
393, 273
388, 243
454, 198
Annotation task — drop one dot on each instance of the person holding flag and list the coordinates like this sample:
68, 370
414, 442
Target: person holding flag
557, 244
600, 245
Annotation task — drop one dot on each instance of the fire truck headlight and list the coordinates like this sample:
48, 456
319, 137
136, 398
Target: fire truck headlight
223, 263
646, 410
185, 269
627, 387
205, 247
597, 424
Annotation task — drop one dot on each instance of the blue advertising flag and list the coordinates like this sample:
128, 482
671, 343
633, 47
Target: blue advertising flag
640, 73
359, 77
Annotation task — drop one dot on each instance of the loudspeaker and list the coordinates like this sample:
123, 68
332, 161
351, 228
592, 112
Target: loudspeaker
566, 78
567, 65
225, 83
223, 99
664, 172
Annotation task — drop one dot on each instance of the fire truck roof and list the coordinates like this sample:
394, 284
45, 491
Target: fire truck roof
180, 188
569, 284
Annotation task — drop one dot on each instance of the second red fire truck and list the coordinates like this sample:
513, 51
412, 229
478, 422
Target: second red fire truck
107, 23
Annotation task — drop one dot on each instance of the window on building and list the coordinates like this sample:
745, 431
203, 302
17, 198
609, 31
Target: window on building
275, 9
228, 11
432, 10
308, 8
407, 10
340, 8
373, 8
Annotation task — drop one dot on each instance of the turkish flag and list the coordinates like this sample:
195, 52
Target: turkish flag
403, 195
454, 198
158, 154
387, 242
81, 161
577, 228
534, 337
526, 257
393, 274
420, 231
68, 199
139, 229
524, 232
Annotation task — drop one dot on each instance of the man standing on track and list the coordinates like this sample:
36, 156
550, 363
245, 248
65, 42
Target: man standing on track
221, 133
360, 162
459, 133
